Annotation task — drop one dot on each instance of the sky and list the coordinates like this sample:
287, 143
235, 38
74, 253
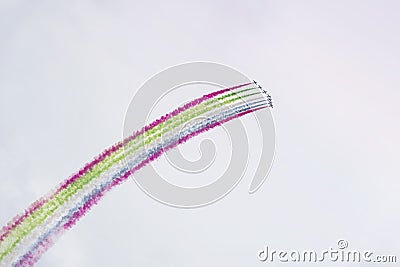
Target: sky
68, 70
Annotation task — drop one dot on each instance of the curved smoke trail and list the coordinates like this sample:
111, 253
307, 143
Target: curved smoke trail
30, 234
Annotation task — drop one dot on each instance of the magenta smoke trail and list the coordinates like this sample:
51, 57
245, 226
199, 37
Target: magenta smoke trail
14, 238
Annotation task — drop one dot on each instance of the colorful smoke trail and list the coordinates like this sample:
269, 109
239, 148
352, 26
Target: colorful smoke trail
30, 234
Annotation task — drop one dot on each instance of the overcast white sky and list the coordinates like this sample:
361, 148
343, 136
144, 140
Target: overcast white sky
68, 70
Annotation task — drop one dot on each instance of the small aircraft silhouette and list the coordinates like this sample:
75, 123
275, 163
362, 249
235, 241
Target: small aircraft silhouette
260, 87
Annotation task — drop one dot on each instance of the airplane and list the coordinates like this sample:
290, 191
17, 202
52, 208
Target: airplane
259, 87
